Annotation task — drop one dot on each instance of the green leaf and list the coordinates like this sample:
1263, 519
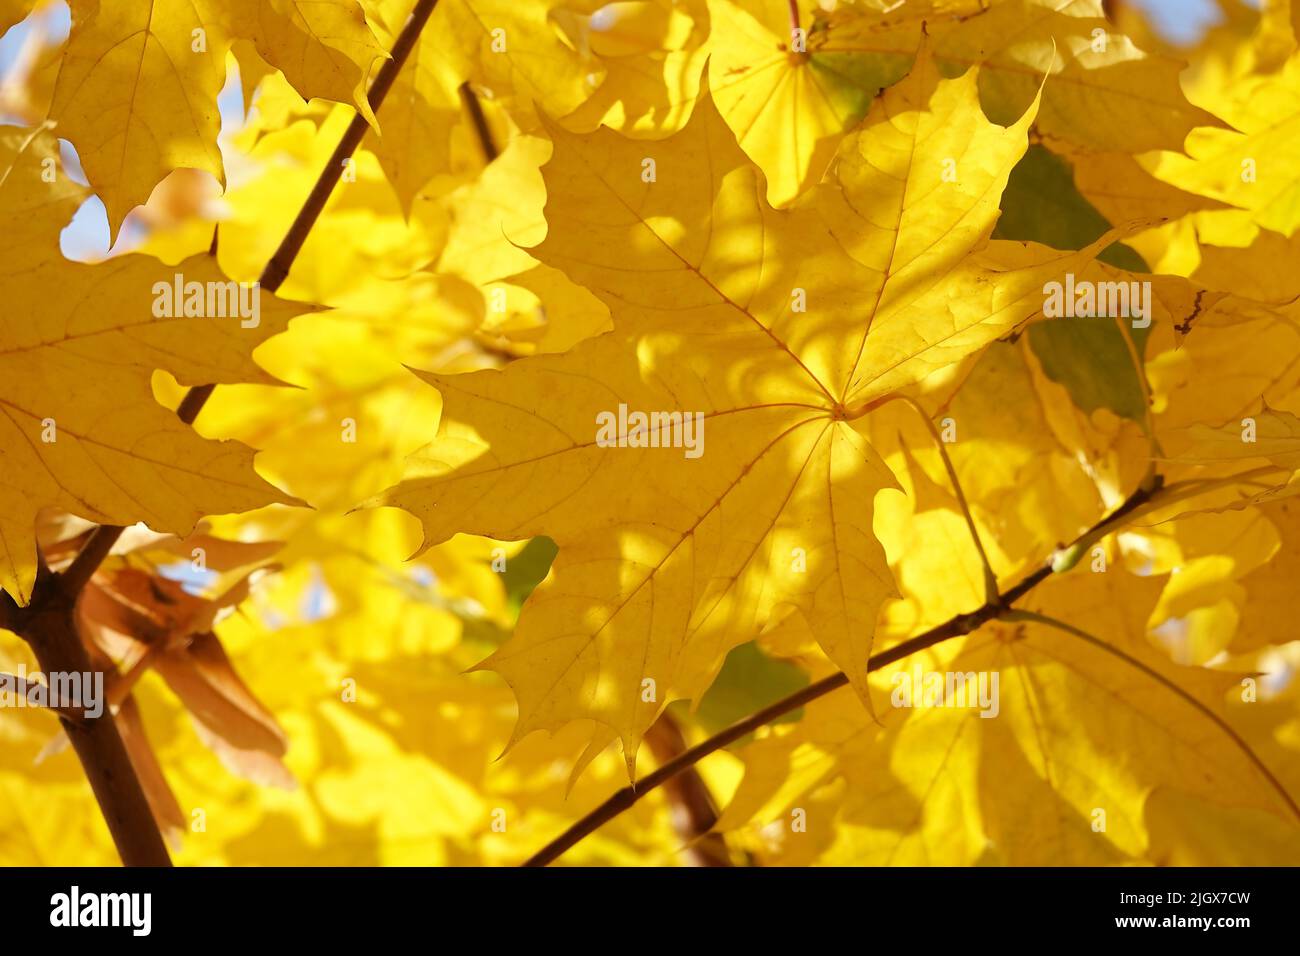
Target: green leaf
749, 681
1091, 359
526, 570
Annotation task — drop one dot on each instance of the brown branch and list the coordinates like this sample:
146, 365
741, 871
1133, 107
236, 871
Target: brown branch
50, 628
48, 623
480, 123
92, 554
693, 810
193, 403
955, 627
278, 268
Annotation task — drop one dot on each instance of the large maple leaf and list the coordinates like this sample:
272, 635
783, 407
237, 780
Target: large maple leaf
79, 427
668, 560
936, 784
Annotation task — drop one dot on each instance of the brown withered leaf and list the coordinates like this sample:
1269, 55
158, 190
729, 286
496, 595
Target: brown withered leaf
134, 619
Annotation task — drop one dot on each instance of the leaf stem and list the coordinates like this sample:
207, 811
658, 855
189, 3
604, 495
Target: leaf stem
1165, 682
1139, 366
990, 577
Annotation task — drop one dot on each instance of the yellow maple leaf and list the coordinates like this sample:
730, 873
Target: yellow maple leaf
323, 49
771, 332
78, 345
137, 86
135, 98
1042, 782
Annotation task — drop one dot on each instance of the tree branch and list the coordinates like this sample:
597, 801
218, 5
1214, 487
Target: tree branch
50, 628
277, 270
955, 627
48, 623
480, 123
92, 554
694, 812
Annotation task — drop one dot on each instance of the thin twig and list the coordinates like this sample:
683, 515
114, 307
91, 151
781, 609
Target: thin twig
481, 129
277, 270
955, 627
92, 554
